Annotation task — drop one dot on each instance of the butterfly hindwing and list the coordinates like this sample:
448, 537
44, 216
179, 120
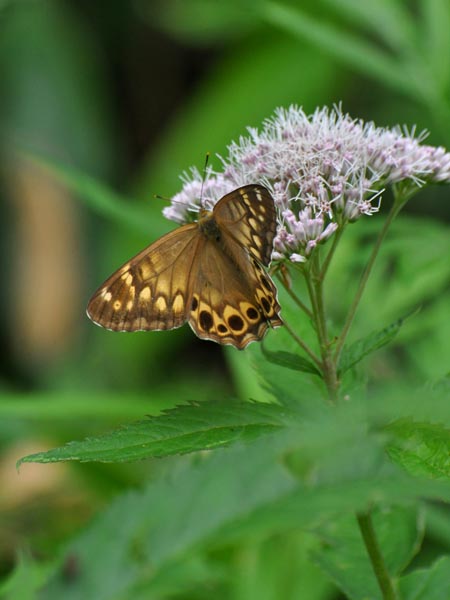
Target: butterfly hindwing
237, 301
149, 291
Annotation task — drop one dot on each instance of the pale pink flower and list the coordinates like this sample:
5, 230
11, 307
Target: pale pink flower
323, 170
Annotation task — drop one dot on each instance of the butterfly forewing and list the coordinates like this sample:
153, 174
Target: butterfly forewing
149, 292
208, 273
248, 215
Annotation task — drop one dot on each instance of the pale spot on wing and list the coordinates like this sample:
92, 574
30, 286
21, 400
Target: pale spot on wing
161, 304
257, 240
117, 304
132, 291
128, 278
145, 293
178, 303
253, 223
145, 270
129, 304
106, 295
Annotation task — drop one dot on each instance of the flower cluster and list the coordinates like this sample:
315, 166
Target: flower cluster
323, 170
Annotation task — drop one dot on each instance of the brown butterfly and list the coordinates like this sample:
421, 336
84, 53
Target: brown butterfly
208, 273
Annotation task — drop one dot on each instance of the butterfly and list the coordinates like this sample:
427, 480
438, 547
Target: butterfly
209, 273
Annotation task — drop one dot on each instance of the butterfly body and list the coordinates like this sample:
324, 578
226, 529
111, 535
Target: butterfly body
209, 273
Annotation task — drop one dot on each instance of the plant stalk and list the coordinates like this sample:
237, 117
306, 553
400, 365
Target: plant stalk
317, 300
304, 346
376, 558
295, 298
395, 209
327, 261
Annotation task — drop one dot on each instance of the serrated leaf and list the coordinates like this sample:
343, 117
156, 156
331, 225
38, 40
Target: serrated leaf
421, 448
428, 584
289, 360
167, 518
179, 431
225, 496
354, 353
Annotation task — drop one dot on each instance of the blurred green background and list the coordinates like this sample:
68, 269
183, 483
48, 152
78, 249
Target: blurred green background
127, 95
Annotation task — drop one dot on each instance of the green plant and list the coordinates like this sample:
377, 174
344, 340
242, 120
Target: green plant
333, 470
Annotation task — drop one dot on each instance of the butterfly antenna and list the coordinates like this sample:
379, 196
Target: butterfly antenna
203, 178
162, 197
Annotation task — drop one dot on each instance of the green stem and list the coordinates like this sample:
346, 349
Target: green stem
329, 365
315, 308
376, 558
326, 262
302, 345
395, 209
295, 298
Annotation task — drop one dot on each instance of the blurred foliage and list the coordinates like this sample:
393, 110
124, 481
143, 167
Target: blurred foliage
100, 108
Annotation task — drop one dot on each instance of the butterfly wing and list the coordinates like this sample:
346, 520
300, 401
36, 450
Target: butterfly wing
150, 291
232, 300
248, 215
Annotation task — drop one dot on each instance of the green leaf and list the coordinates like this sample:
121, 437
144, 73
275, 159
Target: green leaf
438, 524
344, 557
178, 431
289, 360
278, 567
428, 584
225, 496
421, 448
354, 353
158, 525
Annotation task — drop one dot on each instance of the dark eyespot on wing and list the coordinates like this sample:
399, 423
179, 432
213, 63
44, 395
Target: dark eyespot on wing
252, 313
266, 304
236, 323
265, 283
206, 320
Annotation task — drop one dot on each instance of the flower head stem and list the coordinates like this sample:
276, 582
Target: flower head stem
329, 256
395, 209
303, 345
295, 298
329, 365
